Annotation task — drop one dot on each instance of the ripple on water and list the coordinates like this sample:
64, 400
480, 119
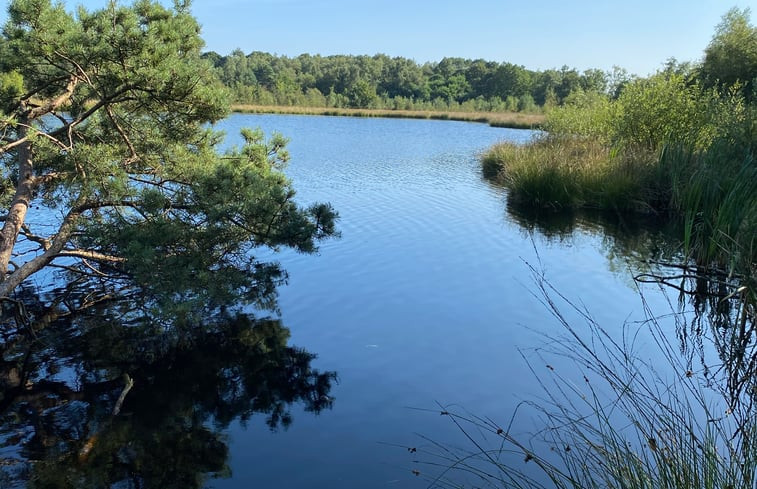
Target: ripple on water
425, 296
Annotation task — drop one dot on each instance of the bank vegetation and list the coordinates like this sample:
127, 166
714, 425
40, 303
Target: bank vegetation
515, 120
680, 144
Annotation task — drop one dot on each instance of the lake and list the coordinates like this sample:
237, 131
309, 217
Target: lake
426, 302
426, 298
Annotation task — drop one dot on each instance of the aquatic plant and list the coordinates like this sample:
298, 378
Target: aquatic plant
572, 172
613, 416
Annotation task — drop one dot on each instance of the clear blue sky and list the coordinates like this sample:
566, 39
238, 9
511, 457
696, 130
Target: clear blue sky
638, 35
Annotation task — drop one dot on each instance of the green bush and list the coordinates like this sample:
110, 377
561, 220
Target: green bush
583, 114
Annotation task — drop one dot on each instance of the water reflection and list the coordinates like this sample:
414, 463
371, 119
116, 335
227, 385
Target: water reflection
90, 399
645, 238
717, 332
715, 320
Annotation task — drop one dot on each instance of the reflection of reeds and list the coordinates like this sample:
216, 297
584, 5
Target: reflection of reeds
611, 420
516, 120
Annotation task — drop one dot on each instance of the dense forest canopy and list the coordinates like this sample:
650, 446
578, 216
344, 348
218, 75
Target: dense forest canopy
381, 81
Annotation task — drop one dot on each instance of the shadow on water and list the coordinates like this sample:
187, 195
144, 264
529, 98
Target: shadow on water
645, 237
89, 398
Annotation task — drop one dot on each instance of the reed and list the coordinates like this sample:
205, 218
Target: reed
614, 418
571, 172
716, 192
515, 120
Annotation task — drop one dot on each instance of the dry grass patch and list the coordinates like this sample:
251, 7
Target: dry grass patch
515, 120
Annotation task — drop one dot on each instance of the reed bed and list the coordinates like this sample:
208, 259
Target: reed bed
572, 172
515, 120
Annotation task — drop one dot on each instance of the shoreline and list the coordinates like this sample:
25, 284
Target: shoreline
512, 120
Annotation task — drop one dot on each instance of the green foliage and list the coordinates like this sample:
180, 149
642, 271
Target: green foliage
665, 108
585, 114
385, 83
662, 108
362, 94
526, 103
731, 56
11, 87
146, 196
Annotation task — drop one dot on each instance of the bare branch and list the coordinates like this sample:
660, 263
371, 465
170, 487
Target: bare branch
55, 103
28, 95
27, 233
92, 255
18, 142
34, 265
134, 156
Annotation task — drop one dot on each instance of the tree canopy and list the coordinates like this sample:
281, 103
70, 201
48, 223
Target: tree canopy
110, 171
731, 56
381, 81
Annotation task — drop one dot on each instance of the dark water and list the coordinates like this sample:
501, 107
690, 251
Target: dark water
427, 298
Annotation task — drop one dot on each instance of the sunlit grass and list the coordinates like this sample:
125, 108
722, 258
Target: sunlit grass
515, 120
554, 172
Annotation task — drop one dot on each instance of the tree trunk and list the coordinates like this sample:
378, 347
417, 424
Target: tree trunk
21, 200
39, 262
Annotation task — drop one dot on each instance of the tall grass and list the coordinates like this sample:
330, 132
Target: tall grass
716, 193
572, 172
613, 418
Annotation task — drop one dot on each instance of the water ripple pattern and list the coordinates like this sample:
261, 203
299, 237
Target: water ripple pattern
425, 296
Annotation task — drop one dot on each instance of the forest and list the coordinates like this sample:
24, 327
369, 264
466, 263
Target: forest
383, 82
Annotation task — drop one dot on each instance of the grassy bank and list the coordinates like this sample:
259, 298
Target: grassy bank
515, 120
554, 172
665, 146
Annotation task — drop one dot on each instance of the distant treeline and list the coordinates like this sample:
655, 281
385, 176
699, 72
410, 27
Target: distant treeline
382, 82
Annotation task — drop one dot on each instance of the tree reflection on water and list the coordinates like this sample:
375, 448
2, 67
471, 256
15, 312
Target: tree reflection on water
72, 418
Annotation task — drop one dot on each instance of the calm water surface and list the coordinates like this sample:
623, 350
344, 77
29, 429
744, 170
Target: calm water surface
427, 297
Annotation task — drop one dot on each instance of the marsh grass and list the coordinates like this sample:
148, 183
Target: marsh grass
716, 192
515, 120
613, 417
572, 172
713, 192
